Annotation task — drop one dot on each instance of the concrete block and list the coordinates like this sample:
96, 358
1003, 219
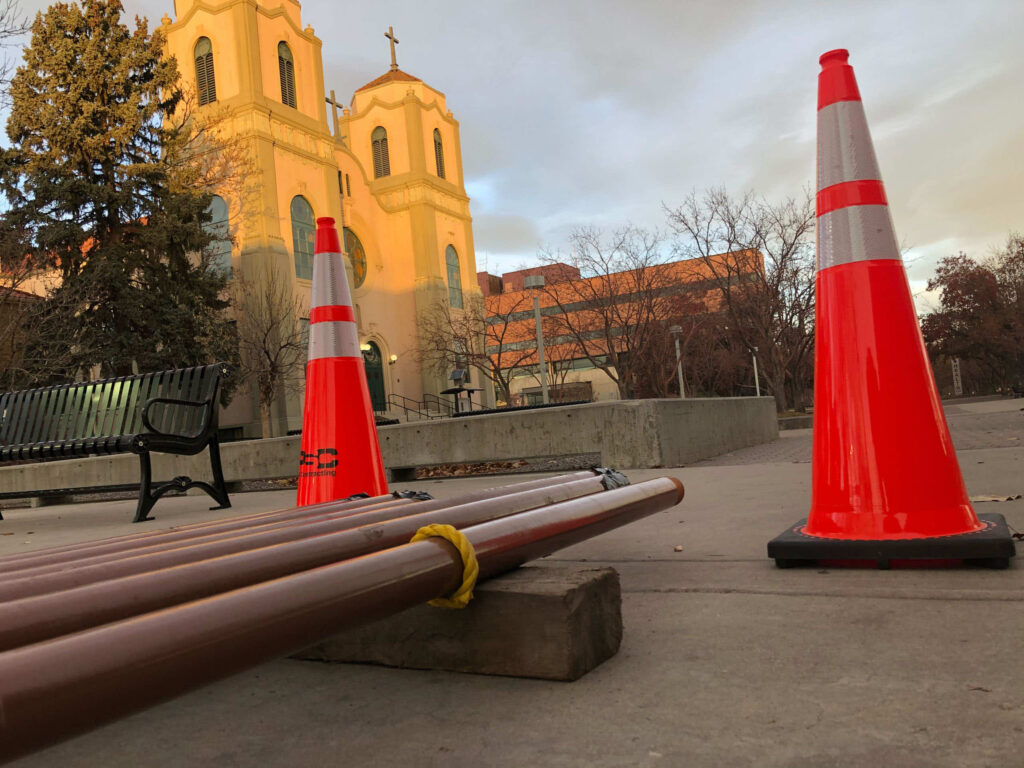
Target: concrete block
548, 622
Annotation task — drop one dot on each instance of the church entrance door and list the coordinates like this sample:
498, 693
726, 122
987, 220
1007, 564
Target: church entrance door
375, 376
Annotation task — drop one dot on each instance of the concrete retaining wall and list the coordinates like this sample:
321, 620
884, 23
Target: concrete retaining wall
627, 434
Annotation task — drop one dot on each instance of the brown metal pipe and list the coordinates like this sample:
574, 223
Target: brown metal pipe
386, 510
17, 583
53, 555
50, 691
32, 582
67, 553
41, 617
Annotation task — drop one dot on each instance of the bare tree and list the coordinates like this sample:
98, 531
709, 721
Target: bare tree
559, 359
272, 347
626, 292
759, 259
486, 335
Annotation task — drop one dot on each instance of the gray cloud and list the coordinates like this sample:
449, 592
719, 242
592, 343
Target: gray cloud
505, 234
596, 112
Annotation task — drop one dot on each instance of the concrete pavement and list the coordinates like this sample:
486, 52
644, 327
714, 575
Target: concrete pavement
725, 660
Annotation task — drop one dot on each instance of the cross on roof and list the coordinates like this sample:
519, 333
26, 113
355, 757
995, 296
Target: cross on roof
390, 34
334, 109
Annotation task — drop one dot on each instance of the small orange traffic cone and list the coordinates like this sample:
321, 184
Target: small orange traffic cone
340, 451
886, 484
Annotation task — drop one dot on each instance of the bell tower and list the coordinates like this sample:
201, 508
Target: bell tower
267, 75
387, 169
400, 130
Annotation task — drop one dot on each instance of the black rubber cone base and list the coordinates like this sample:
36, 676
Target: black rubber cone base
991, 547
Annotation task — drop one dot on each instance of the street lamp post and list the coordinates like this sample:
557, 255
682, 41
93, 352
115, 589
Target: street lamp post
534, 282
757, 383
675, 330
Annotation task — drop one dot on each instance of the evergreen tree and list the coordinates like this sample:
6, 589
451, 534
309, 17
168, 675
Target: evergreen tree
100, 183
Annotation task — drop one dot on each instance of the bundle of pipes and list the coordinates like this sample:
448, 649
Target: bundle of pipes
91, 633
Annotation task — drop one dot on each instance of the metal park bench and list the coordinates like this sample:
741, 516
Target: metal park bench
169, 412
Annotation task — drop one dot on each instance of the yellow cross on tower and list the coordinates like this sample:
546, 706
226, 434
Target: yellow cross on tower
390, 35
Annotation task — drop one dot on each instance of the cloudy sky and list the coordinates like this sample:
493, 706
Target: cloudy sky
598, 112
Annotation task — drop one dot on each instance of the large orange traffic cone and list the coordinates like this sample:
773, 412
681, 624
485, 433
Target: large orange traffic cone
886, 484
340, 451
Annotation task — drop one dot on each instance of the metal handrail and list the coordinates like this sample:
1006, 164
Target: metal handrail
441, 405
416, 407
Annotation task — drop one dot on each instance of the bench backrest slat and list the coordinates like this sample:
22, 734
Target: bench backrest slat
178, 385
115, 409
120, 418
194, 415
47, 401
53, 413
190, 416
23, 414
162, 387
114, 405
11, 411
73, 411
104, 396
129, 399
105, 408
5, 398
18, 414
88, 406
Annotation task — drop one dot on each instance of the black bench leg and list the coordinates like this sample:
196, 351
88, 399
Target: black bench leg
146, 498
220, 488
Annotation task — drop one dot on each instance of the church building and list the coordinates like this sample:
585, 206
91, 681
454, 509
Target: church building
387, 168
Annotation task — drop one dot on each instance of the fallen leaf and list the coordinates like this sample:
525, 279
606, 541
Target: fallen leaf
6, 534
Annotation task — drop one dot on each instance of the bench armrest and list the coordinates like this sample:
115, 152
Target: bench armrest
173, 401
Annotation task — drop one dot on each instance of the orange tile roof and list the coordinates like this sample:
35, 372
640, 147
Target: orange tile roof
678, 272
391, 76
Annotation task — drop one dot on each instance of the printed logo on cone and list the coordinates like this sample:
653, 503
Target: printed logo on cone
340, 453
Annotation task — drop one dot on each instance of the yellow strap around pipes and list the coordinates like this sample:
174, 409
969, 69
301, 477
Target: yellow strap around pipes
459, 598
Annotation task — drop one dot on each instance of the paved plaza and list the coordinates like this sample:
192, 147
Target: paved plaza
725, 660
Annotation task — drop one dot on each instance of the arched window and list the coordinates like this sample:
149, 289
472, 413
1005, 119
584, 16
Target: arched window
381, 163
219, 248
454, 277
303, 233
206, 84
357, 257
286, 65
438, 153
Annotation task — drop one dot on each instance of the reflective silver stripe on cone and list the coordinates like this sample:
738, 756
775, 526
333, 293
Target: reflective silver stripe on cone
845, 152
856, 233
335, 338
330, 282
